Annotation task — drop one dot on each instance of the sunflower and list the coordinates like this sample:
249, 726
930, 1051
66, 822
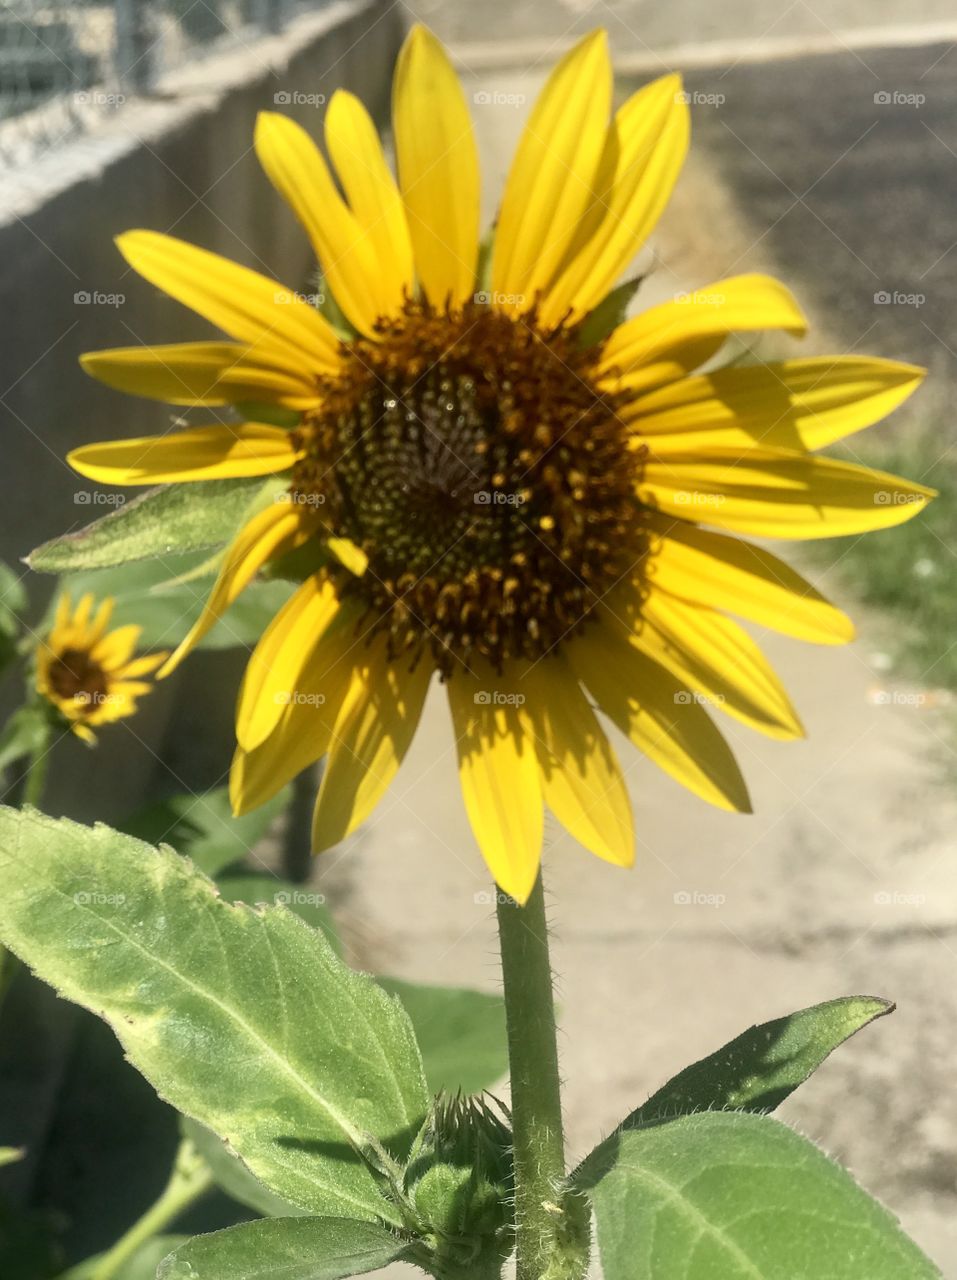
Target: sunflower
483, 482
87, 673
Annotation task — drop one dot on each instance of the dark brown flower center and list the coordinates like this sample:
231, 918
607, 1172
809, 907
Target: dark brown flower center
75, 677
485, 474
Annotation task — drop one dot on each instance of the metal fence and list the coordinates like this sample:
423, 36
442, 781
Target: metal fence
64, 65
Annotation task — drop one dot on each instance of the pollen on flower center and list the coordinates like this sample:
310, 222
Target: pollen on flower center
75, 677
485, 474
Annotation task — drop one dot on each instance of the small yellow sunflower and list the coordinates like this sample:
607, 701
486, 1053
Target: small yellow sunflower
480, 488
89, 674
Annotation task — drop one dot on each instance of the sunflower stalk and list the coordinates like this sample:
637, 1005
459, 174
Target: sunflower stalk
551, 1225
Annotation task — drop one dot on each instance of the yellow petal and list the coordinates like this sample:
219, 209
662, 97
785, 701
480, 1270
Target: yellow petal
438, 168
709, 653
643, 153
581, 777
210, 373
658, 713
349, 555
666, 342
794, 404
102, 619
296, 169
727, 573
143, 666
304, 729
248, 306
371, 190
117, 648
202, 453
284, 649
776, 494
272, 532
375, 726
552, 179
499, 774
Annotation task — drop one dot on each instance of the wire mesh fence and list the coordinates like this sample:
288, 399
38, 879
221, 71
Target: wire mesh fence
65, 65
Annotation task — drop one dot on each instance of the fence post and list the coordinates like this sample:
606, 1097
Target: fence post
133, 51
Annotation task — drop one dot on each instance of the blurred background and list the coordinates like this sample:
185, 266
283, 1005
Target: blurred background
825, 151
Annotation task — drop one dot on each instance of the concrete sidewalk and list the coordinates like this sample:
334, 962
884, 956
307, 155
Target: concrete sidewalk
841, 883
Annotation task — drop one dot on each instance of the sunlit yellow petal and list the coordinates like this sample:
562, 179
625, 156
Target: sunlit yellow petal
211, 373
202, 453
304, 729
285, 647
710, 654
499, 773
116, 648
581, 777
776, 494
248, 306
667, 342
643, 153
272, 532
438, 168
794, 404
345, 251
738, 577
356, 153
659, 714
376, 723
552, 179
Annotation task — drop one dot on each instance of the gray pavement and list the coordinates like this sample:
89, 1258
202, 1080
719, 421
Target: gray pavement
843, 881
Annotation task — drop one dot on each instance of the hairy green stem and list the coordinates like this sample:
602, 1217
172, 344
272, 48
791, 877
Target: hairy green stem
36, 775
188, 1181
538, 1139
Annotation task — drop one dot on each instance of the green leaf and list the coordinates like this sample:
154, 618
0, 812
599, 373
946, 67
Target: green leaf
166, 609
609, 313
285, 1249
733, 1196
242, 1019
13, 594
9, 1155
169, 520
204, 829
232, 1176
757, 1070
461, 1035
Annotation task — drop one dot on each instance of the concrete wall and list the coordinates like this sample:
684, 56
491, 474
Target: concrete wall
181, 162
